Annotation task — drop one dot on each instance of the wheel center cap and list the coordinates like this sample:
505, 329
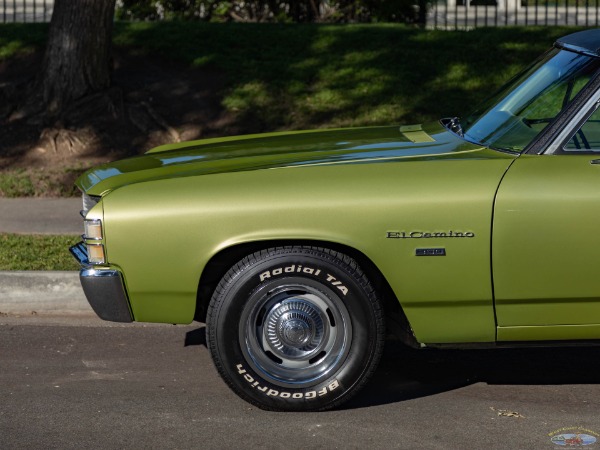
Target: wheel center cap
294, 328
295, 332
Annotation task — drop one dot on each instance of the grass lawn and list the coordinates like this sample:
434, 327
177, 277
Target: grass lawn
291, 76
299, 76
20, 183
37, 252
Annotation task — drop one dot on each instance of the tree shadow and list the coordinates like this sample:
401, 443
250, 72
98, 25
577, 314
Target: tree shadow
152, 101
299, 76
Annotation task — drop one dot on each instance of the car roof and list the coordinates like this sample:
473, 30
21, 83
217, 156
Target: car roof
587, 42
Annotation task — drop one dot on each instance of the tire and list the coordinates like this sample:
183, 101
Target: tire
295, 328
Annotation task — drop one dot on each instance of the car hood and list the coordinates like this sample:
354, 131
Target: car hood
279, 150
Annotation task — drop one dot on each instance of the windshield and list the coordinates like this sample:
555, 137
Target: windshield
515, 115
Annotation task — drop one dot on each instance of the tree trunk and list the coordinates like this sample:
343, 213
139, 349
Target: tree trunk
422, 13
77, 58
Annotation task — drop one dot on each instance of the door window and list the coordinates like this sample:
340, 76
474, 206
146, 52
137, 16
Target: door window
587, 138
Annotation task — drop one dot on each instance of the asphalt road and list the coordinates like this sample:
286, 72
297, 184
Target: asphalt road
82, 383
41, 215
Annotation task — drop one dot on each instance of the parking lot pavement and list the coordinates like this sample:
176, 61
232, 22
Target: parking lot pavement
73, 383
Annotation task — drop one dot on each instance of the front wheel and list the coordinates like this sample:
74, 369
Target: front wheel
295, 328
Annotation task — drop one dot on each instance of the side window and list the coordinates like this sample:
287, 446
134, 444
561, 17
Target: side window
587, 138
547, 106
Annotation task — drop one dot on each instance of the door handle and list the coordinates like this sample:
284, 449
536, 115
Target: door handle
595, 161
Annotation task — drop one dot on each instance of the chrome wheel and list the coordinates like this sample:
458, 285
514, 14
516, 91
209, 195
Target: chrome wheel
295, 334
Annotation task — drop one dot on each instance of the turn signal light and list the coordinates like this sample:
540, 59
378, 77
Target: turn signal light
96, 253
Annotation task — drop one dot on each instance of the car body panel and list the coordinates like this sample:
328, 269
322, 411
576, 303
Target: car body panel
545, 244
175, 225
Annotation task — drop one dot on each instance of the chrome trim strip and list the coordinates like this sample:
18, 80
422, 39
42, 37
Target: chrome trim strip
575, 123
96, 240
576, 49
91, 272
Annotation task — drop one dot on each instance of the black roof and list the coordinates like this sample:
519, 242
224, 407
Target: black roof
587, 42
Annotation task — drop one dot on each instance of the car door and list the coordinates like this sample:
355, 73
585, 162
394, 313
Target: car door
546, 242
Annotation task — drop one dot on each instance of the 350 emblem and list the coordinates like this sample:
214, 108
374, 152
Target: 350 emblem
283, 394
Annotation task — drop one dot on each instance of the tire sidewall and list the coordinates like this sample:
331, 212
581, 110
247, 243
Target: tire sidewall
318, 268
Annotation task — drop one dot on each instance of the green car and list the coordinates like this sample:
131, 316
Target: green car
304, 251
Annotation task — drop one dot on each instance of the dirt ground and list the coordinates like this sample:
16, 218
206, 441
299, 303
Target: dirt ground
152, 101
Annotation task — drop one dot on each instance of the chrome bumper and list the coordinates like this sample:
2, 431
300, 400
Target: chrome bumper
103, 288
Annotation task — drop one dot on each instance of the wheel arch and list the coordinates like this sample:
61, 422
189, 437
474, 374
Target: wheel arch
397, 324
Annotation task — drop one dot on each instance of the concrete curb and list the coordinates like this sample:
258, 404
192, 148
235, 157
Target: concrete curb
45, 293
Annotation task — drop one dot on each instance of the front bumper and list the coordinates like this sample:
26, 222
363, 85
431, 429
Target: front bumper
103, 288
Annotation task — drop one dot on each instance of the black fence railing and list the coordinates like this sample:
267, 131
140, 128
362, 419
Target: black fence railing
460, 14
26, 10
444, 14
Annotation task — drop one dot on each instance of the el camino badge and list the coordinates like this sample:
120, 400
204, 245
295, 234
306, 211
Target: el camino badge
428, 234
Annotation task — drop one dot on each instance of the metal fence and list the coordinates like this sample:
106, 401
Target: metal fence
26, 10
445, 14
460, 14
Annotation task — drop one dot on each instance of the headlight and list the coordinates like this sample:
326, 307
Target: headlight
93, 229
